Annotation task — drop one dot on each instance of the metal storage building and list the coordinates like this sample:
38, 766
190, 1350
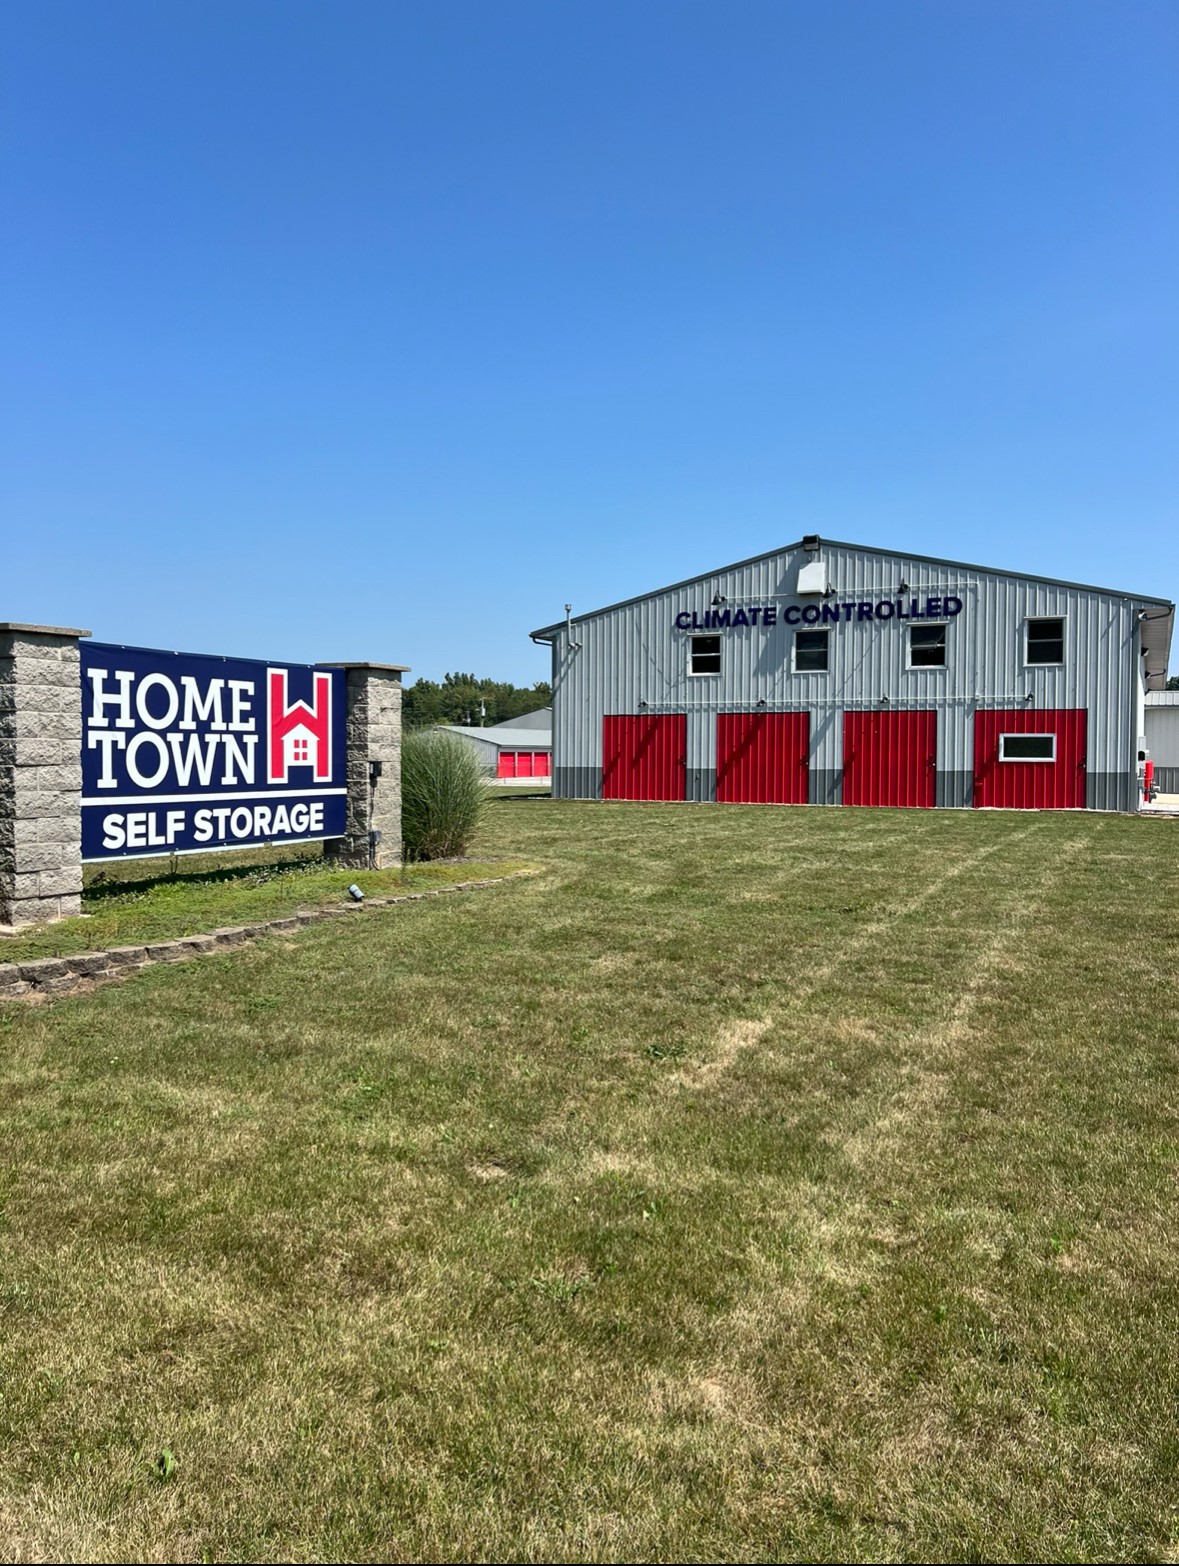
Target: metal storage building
516, 748
1162, 738
831, 673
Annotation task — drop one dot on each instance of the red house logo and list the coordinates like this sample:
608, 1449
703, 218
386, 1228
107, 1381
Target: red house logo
300, 735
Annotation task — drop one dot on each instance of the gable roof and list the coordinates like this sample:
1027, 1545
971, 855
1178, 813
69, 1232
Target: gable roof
540, 718
548, 631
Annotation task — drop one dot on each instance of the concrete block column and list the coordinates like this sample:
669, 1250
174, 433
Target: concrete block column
40, 773
373, 693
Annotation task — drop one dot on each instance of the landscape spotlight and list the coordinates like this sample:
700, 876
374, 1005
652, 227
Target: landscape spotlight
355, 893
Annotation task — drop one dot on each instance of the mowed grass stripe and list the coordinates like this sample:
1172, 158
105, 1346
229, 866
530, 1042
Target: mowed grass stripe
755, 1184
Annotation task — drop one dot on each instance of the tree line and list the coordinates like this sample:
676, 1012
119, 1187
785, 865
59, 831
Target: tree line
467, 699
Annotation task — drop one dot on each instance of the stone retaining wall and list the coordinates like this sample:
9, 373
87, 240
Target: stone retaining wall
45, 976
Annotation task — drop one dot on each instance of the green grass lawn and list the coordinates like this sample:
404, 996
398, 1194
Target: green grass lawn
754, 1184
146, 900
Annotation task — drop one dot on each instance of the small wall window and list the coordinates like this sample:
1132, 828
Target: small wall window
927, 647
1027, 747
1045, 641
810, 652
706, 655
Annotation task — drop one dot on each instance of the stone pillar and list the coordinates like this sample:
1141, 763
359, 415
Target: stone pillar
374, 765
40, 773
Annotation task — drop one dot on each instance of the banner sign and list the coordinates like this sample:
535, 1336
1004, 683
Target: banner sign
185, 754
847, 612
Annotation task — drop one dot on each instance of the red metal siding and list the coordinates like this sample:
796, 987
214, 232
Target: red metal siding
762, 758
890, 758
644, 757
1031, 785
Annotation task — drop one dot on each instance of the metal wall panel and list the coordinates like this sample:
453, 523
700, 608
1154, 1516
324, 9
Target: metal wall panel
1031, 785
1161, 728
890, 758
632, 658
763, 758
645, 756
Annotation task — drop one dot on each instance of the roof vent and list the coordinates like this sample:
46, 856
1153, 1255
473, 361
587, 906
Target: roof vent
813, 578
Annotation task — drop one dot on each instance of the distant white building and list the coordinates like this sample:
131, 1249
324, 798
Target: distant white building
1161, 729
517, 748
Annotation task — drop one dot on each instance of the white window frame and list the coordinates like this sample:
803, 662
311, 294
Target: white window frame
824, 630
705, 674
1036, 619
927, 668
1035, 760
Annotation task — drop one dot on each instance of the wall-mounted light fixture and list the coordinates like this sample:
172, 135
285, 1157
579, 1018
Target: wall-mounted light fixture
903, 588
719, 598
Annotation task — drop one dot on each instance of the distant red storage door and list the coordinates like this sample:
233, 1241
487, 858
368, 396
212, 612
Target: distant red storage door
890, 758
507, 764
544, 764
645, 757
524, 764
1031, 785
763, 758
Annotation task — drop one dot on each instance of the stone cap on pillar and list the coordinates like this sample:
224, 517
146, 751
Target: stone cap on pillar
342, 663
40, 630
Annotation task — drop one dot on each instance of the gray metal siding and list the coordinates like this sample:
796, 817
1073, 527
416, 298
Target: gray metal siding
633, 655
486, 749
1162, 733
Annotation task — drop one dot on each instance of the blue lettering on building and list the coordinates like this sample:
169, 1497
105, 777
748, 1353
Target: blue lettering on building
842, 612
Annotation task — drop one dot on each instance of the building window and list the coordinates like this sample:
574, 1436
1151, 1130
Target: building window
706, 655
1045, 641
810, 652
927, 647
299, 747
1027, 747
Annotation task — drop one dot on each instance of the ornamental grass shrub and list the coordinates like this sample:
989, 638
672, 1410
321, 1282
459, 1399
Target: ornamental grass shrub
442, 795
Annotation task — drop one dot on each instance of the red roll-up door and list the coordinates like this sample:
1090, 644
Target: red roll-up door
762, 758
890, 758
1031, 785
507, 764
644, 756
544, 764
524, 764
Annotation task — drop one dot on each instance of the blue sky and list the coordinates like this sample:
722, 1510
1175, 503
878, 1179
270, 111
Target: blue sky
383, 330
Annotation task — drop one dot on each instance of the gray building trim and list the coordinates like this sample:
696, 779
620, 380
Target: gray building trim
1111, 791
700, 785
954, 790
577, 783
825, 785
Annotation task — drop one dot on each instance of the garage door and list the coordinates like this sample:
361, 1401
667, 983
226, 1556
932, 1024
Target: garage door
890, 758
644, 756
762, 758
1030, 760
